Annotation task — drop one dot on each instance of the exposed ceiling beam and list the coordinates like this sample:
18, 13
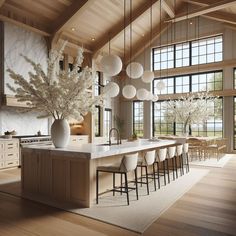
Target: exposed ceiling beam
222, 17
76, 8
1, 2
204, 10
23, 25
119, 27
168, 8
217, 15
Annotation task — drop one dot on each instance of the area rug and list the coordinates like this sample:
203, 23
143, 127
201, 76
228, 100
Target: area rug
140, 214
212, 161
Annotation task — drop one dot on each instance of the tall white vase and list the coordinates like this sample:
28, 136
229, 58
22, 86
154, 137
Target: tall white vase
60, 133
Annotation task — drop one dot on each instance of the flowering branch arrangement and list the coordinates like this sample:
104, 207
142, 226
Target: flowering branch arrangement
192, 109
57, 93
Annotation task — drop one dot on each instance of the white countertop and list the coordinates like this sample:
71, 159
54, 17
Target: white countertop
93, 151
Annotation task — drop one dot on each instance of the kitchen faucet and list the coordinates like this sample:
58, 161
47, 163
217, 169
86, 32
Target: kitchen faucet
118, 136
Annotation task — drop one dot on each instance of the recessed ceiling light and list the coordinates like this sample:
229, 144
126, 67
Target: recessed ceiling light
92, 39
143, 35
72, 29
190, 22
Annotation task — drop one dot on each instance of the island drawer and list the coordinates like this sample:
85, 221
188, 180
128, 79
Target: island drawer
12, 163
11, 156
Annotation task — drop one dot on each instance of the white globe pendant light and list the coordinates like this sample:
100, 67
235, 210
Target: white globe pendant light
134, 70
111, 65
148, 76
129, 91
160, 85
112, 89
142, 94
155, 98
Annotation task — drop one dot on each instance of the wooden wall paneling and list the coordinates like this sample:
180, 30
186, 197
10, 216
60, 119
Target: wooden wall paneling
79, 186
59, 171
31, 163
45, 173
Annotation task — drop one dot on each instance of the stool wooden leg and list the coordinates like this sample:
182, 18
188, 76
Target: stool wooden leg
173, 168
126, 188
136, 182
187, 162
121, 183
164, 171
176, 168
147, 179
168, 171
141, 176
158, 175
97, 187
154, 177
114, 185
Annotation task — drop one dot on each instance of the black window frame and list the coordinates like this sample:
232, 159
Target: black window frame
134, 130
107, 110
98, 134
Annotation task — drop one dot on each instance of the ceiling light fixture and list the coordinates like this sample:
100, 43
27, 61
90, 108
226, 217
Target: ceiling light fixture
160, 85
148, 75
128, 91
134, 69
111, 64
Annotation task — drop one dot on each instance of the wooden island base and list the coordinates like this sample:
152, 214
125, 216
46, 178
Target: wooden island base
70, 175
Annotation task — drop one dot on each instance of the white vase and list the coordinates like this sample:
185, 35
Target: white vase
60, 133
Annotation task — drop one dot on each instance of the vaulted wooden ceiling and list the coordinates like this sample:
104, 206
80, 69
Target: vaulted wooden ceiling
100, 24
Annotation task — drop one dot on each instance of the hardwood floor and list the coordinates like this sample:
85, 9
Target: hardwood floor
209, 208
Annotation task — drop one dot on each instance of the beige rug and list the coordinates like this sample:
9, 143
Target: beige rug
139, 215
212, 162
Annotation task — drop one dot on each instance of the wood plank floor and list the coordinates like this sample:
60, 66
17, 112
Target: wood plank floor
208, 209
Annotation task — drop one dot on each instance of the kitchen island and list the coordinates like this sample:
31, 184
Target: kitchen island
68, 175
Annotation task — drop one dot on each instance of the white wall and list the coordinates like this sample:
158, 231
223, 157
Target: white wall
16, 41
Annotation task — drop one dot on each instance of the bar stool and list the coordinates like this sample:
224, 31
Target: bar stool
160, 158
185, 156
145, 162
128, 164
179, 152
171, 151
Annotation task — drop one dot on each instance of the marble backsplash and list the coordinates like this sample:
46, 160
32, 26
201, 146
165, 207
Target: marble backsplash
17, 41
21, 41
22, 123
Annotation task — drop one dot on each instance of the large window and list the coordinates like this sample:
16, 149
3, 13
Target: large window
207, 50
107, 121
207, 81
97, 121
138, 122
163, 57
169, 86
195, 52
210, 81
161, 124
97, 86
212, 127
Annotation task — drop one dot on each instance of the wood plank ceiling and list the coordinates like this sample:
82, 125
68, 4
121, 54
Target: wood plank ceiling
98, 24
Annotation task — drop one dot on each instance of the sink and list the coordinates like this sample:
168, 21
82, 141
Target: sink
107, 144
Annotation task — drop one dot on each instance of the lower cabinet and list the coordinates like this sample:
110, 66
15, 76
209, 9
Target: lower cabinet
9, 153
57, 176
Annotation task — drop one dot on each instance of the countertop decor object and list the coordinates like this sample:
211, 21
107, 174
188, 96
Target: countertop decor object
61, 94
